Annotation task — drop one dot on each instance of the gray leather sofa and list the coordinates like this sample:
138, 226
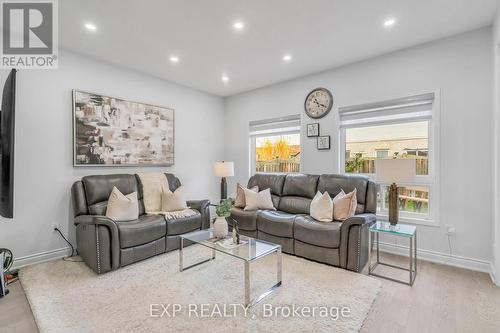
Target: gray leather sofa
342, 244
106, 245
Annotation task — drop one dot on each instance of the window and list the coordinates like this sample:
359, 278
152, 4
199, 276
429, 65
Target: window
382, 153
275, 145
402, 128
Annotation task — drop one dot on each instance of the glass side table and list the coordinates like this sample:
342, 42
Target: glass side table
401, 230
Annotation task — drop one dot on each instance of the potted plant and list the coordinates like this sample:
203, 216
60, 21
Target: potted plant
223, 211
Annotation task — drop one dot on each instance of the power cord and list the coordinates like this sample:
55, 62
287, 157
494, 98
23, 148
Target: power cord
71, 245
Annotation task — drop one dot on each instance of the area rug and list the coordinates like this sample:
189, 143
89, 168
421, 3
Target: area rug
153, 296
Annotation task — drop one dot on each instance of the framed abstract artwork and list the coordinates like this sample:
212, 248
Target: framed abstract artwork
324, 142
109, 131
312, 130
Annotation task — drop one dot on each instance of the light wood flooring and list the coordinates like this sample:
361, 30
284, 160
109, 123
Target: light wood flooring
443, 299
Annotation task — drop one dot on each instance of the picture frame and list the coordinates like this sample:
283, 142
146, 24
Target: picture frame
323, 142
115, 132
313, 130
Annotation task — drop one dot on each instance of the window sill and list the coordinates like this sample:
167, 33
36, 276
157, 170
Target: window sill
411, 220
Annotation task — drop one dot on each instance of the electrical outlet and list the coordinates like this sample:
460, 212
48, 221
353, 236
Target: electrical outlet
450, 230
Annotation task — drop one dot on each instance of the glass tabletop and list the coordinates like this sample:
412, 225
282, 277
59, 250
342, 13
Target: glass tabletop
249, 249
398, 229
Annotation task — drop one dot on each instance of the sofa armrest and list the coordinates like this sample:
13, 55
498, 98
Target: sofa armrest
353, 236
203, 206
96, 221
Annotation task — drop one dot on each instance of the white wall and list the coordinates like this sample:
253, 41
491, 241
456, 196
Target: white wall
496, 148
460, 67
43, 147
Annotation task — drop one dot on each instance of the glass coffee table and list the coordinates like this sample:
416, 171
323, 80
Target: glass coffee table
250, 250
401, 230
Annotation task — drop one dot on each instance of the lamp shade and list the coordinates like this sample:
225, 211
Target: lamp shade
399, 170
224, 169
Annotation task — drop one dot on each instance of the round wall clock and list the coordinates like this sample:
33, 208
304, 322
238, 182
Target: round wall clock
318, 103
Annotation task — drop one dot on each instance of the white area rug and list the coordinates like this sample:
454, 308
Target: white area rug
69, 297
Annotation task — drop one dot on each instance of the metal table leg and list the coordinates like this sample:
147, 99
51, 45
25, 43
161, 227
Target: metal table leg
181, 255
247, 283
181, 258
279, 264
411, 260
370, 245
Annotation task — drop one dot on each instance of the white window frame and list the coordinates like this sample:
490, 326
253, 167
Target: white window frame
271, 132
431, 180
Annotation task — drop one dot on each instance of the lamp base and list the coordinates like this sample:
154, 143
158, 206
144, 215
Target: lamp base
223, 188
393, 204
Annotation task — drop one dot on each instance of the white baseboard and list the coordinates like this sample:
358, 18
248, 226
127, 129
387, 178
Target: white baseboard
441, 258
41, 257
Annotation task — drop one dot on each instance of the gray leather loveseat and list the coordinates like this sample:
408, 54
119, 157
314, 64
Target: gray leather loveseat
106, 245
342, 244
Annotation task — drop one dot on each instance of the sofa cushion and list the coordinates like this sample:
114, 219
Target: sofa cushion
310, 231
273, 181
98, 189
295, 205
276, 223
335, 183
300, 185
145, 229
247, 220
183, 225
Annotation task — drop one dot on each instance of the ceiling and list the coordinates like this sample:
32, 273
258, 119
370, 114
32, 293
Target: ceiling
318, 34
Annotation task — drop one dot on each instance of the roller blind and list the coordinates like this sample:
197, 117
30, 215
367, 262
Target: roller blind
275, 125
418, 107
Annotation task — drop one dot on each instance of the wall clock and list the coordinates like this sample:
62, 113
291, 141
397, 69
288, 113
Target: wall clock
318, 103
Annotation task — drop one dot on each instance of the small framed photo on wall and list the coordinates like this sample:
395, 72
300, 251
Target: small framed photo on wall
312, 130
324, 142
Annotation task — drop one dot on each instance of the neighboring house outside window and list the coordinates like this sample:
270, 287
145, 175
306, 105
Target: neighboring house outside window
402, 128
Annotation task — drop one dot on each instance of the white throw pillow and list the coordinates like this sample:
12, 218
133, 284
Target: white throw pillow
322, 207
240, 201
258, 200
122, 207
173, 201
344, 205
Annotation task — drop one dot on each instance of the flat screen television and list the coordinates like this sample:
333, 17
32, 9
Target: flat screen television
7, 127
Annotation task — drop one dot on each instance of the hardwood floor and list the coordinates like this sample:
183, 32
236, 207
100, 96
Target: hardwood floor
443, 299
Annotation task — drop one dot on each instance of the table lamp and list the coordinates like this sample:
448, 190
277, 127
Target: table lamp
394, 171
223, 170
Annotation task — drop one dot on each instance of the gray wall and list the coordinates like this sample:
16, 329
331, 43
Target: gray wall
43, 147
460, 67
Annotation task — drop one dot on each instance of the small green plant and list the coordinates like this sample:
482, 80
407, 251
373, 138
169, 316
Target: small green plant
223, 209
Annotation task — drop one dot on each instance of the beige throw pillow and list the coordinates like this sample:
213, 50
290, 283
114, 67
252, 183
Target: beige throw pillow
240, 201
344, 205
173, 201
122, 207
258, 200
322, 207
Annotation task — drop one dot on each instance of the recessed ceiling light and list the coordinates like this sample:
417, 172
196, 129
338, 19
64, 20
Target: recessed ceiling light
90, 26
287, 57
224, 78
238, 25
174, 59
389, 22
